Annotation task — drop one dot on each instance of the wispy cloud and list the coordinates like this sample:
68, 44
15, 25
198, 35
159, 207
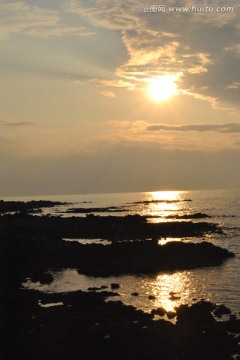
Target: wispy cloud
58, 31
17, 123
112, 83
235, 86
108, 14
223, 128
21, 17
107, 93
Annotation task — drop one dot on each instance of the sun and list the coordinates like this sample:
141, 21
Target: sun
162, 88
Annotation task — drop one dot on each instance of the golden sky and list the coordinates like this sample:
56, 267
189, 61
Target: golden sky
106, 95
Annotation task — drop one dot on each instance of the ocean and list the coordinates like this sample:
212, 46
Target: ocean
216, 284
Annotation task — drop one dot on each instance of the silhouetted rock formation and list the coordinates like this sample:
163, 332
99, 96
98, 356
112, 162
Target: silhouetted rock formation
46, 278
110, 209
32, 256
145, 258
29, 206
221, 310
130, 227
86, 327
188, 216
115, 286
147, 202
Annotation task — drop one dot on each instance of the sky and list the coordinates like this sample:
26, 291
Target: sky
112, 96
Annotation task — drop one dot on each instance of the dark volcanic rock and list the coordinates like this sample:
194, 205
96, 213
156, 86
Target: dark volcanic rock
188, 216
29, 206
113, 228
110, 209
88, 328
145, 258
198, 316
94, 288
30, 256
115, 286
147, 202
174, 296
171, 314
159, 311
221, 310
46, 278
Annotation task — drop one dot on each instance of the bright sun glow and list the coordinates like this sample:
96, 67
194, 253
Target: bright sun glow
162, 88
166, 195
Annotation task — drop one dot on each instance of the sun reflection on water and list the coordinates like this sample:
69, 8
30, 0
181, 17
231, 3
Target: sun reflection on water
171, 290
163, 203
166, 195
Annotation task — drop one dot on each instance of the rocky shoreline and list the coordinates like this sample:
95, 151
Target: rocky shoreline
114, 228
29, 206
82, 325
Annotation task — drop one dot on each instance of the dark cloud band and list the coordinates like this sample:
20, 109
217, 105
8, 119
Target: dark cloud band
224, 128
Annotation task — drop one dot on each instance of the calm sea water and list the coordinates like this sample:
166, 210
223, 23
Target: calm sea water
217, 284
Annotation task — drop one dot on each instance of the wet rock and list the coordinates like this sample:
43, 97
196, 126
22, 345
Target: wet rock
33, 206
110, 209
106, 294
188, 216
160, 311
130, 258
94, 288
35, 276
221, 310
147, 202
171, 314
130, 333
46, 279
115, 286
174, 297
198, 316
134, 227
35, 240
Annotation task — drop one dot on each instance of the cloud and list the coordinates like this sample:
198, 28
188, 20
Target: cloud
234, 49
235, 85
223, 128
114, 15
107, 93
155, 53
58, 31
191, 46
17, 123
111, 83
20, 17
